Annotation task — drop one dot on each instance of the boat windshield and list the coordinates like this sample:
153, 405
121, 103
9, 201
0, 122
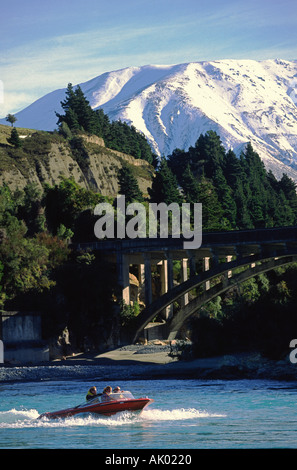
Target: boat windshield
117, 396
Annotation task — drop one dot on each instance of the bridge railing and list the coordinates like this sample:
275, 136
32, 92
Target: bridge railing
234, 237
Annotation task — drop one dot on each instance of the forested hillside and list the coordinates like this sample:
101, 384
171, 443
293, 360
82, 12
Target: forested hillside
236, 193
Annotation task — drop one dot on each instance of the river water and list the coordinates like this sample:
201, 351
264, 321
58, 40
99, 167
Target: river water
186, 414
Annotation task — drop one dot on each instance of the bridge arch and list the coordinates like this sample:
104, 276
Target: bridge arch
254, 264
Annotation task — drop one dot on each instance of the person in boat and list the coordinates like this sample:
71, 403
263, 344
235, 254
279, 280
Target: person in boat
92, 393
117, 390
106, 392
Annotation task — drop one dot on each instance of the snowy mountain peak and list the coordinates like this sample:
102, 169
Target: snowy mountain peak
242, 100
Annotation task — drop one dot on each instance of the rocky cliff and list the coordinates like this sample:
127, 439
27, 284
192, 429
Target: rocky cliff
46, 157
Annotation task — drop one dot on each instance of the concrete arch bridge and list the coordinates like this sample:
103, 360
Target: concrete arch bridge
223, 260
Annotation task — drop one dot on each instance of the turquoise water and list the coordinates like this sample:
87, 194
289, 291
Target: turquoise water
186, 414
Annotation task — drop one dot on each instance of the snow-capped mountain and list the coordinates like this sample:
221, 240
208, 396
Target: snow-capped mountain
242, 100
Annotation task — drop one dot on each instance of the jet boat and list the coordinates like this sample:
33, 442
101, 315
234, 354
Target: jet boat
103, 405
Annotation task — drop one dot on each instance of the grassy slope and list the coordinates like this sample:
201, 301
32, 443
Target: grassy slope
5, 132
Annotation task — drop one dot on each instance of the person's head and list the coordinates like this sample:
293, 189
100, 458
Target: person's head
107, 389
116, 389
93, 390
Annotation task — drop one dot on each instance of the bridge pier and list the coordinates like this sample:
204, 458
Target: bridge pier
184, 277
206, 267
123, 265
141, 274
148, 279
229, 259
192, 262
166, 278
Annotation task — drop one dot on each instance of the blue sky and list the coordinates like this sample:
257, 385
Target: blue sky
45, 45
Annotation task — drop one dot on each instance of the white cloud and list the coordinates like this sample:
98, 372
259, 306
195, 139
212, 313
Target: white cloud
14, 102
31, 70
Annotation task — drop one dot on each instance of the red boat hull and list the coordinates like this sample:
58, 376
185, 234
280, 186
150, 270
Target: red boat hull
106, 409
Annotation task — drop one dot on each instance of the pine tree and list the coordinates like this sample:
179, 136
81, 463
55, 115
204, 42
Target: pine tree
70, 98
190, 186
257, 198
288, 187
236, 179
282, 213
210, 150
164, 185
78, 113
253, 164
212, 212
103, 124
177, 162
14, 138
86, 116
225, 196
233, 170
128, 185
70, 117
243, 219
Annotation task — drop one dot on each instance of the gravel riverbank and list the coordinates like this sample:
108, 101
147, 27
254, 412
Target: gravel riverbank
151, 362
129, 362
